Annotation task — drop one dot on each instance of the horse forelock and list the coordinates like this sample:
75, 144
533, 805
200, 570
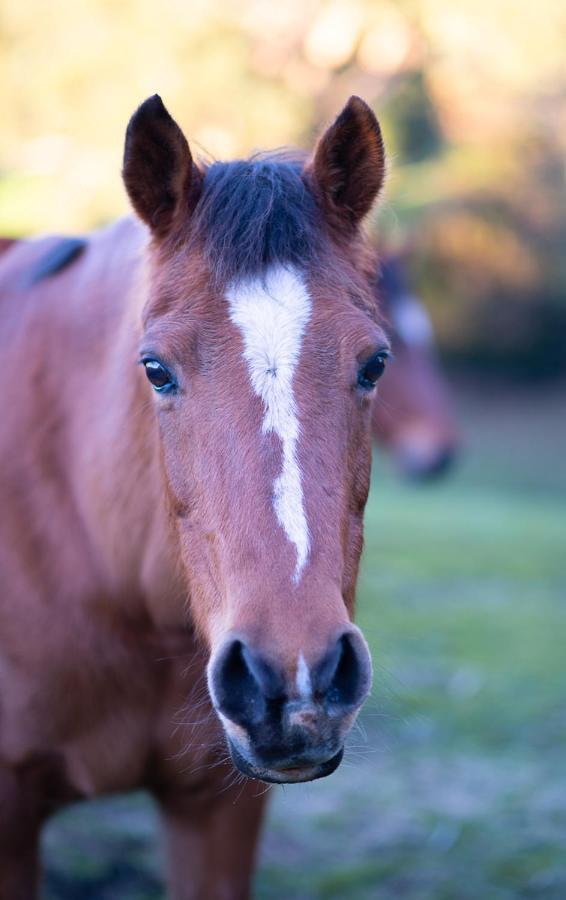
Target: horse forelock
254, 214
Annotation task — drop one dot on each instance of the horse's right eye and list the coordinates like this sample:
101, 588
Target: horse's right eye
159, 377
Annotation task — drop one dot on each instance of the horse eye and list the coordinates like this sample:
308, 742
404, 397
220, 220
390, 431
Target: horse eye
372, 370
159, 377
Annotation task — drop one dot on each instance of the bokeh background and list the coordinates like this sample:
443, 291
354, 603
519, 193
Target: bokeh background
455, 784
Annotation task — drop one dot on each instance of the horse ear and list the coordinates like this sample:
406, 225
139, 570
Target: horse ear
348, 166
159, 174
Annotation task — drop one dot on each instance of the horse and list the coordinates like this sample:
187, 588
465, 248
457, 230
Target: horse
412, 414
186, 446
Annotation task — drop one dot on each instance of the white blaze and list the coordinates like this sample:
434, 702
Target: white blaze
303, 679
272, 313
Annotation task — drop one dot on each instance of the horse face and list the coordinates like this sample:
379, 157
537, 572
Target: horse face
262, 344
412, 416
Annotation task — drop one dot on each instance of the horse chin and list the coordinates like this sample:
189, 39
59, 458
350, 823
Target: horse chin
290, 775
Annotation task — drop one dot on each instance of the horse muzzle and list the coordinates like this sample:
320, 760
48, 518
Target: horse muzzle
290, 771
287, 729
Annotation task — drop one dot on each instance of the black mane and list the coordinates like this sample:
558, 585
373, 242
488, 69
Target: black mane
255, 213
56, 259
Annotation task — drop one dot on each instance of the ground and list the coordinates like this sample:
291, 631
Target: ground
454, 786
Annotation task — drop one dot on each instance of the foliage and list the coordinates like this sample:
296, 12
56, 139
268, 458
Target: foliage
472, 95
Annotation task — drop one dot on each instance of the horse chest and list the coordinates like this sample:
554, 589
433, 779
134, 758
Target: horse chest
106, 708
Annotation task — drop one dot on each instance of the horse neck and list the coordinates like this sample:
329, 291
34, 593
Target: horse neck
124, 493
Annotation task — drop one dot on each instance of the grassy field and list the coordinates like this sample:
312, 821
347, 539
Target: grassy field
454, 786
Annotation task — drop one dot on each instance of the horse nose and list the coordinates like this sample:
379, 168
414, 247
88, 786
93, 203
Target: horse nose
245, 686
342, 678
242, 683
427, 466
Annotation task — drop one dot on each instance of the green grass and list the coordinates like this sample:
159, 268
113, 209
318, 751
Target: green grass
454, 787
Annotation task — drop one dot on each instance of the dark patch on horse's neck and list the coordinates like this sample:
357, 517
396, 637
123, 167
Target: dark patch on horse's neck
256, 213
56, 259
6, 243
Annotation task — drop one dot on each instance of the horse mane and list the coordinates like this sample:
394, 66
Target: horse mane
57, 258
255, 213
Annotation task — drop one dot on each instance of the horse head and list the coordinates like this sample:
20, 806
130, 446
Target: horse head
262, 347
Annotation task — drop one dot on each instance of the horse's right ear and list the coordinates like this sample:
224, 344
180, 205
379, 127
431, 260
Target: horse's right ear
160, 177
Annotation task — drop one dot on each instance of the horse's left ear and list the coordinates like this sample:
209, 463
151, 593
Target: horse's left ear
160, 176
348, 166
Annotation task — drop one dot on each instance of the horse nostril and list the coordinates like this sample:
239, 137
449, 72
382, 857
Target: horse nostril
234, 688
241, 683
343, 677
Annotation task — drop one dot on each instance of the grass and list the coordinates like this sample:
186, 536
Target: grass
454, 787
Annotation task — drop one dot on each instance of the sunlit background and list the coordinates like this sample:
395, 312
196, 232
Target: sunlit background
455, 786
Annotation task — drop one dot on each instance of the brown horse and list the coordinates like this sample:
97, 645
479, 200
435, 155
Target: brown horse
186, 451
412, 413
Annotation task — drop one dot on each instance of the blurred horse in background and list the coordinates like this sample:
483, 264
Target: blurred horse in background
412, 412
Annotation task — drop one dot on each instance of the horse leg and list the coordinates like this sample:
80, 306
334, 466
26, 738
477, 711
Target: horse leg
211, 842
28, 795
19, 838
19, 869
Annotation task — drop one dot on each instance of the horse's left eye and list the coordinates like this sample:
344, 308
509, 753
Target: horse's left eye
158, 376
372, 370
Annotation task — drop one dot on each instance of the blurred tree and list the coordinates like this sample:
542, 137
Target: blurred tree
412, 120
472, 95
